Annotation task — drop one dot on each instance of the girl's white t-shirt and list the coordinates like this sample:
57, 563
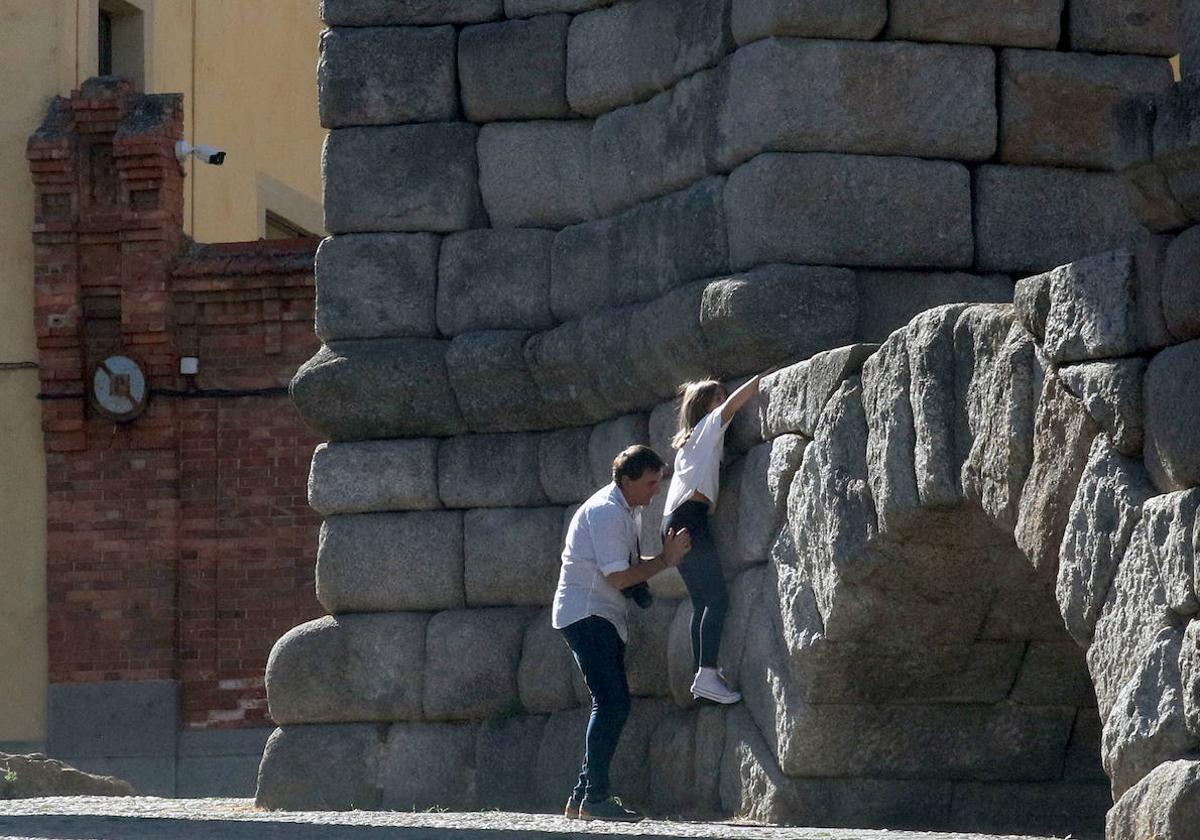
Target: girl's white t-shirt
698, 464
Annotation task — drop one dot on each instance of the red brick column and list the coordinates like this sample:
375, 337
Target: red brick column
180, 544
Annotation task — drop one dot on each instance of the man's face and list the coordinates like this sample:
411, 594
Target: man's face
639, 491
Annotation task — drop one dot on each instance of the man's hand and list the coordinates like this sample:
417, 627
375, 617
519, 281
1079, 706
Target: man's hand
676, 544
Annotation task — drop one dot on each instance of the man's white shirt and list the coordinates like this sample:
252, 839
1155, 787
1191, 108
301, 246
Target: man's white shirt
602, 539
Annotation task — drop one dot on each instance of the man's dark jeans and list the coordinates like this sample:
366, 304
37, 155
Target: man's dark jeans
600, 655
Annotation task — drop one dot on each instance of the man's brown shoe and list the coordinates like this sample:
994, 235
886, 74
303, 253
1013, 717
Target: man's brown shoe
571, 811
609, 809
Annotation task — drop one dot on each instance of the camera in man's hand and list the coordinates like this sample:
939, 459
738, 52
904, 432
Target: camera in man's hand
640, 593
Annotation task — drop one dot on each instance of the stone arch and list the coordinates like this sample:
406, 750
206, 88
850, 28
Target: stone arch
972, 579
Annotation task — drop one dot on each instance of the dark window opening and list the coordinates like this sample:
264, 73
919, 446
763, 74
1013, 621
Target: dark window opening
106, 43
120, 28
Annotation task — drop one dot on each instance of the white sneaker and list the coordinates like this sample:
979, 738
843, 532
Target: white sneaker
709, 685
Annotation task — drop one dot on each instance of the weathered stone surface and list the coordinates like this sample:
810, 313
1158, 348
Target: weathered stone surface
544, 677
830, 509
1134, 613
608, 343
747, 519
615, 55
795, 311
1112, 394
560, 755
646, 653
376, 285
666, 344
791, 399
1057, 108
374, 476
348, 668
786, 453
1189, 673
859, 19
1083, 753
789, 95
1189, 24
359, 390
506, 749
1150, 195
514, 70
334, 766
428, 765
1032, 808
1146, 725
1171, 191
512, 556
673, 765
1165, 805
561, 752
884, 211
567, 361
1107, 504
391, 561
746, 603
492, 382
1062, 438
609, 439
662, 425
564, 467
933, 369
1170, 523
494, 280
1093, 311
929, 742
1025, 23
1025, 607
887, 300
1053, 674
535, 174
484, 683
490, 471
652, 148
527, 8
408, 12
890, 435
631, 762
640, 254
1180, 301
1128, 26
1031, 300
681, 667
1031, 218
402, 178
386, 75
1172, 450
999, 397
30, 776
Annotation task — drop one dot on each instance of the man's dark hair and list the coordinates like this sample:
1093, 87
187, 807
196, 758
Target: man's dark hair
631, 463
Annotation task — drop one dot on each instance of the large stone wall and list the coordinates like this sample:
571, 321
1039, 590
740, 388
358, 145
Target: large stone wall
546, 215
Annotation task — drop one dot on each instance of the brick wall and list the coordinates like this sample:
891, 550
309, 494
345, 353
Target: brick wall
179, 543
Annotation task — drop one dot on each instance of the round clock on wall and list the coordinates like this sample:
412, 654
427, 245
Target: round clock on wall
119, 388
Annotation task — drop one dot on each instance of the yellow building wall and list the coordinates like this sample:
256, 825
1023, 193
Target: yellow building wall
247, 71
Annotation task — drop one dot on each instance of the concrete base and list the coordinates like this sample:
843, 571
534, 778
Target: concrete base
132, 730
22, 747
219, 762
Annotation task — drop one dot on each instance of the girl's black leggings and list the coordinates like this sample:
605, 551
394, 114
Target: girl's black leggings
701, 571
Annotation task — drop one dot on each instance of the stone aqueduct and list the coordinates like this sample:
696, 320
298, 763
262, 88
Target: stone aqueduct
960, 531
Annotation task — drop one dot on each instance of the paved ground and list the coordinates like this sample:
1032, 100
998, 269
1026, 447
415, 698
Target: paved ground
150, 818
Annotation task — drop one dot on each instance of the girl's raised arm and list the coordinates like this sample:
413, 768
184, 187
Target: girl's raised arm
741, 396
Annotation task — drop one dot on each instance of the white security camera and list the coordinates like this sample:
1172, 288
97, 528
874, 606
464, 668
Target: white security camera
207, 154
